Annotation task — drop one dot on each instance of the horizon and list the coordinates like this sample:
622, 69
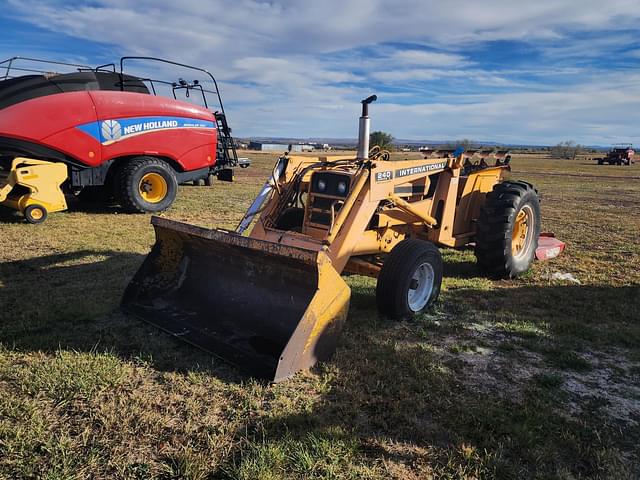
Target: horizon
414, 142
498, 72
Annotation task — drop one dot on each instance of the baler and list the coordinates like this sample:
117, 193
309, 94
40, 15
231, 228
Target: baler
112, 132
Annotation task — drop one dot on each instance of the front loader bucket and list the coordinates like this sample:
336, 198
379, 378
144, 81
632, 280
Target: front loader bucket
271, 309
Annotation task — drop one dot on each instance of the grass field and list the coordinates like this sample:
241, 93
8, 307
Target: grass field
530, 378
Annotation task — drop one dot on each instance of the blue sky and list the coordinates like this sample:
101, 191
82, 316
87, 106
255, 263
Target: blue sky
497, 70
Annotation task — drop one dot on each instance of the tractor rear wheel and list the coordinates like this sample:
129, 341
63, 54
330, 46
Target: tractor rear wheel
146, 184
410, 278
508, 230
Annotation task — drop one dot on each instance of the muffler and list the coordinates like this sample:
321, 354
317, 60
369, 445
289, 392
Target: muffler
364, 128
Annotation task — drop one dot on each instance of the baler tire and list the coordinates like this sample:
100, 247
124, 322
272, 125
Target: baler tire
209, 180
494, 250
199, 182
396, 277
34, 218
129, 183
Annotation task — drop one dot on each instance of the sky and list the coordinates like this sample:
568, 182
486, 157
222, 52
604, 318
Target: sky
509, 71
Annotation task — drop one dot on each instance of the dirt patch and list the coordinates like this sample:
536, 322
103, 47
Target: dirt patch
609, 386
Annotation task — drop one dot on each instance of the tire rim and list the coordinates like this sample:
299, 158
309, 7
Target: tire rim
36, 214
421, 287
153, 188
520, 238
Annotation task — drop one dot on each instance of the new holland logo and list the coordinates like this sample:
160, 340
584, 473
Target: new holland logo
111, 130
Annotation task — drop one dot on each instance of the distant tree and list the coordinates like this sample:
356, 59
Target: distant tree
567, 150
464, 143
381, 139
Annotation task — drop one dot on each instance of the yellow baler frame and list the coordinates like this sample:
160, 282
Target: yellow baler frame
41, 179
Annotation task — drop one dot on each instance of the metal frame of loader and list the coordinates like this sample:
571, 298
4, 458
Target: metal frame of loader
274, 301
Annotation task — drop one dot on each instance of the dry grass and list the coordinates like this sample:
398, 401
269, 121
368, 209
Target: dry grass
511, 379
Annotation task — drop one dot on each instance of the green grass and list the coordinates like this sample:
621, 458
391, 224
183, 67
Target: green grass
528, 378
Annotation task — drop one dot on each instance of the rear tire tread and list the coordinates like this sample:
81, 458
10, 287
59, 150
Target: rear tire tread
493, 235
126, 189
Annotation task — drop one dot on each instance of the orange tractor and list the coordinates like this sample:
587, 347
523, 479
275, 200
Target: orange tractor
274, 301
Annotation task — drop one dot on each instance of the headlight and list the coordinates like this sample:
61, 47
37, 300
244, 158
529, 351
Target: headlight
342, 188
322, 185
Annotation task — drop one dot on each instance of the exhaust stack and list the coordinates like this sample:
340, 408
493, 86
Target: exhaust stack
364, 129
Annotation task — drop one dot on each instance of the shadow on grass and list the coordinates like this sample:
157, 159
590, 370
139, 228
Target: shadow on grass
464, 270
395, 398
74, 204
96, 205
71, 302
390, 395
8, 215
581, 316
97, 208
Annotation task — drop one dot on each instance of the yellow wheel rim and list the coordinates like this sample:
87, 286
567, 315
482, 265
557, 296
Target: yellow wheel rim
520, 232
36, 214
153, 188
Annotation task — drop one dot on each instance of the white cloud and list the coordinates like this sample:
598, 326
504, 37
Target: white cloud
299, 68
316, 27
427, 58
411, 75
589, 48
581, 114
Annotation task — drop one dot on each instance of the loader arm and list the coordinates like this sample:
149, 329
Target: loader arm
386, 202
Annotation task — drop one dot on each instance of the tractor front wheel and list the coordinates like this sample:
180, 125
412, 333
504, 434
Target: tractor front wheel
410, 279
146, 184
508, 230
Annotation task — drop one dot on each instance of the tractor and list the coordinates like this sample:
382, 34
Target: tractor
270, 297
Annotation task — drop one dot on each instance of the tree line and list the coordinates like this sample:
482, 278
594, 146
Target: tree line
566, 150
